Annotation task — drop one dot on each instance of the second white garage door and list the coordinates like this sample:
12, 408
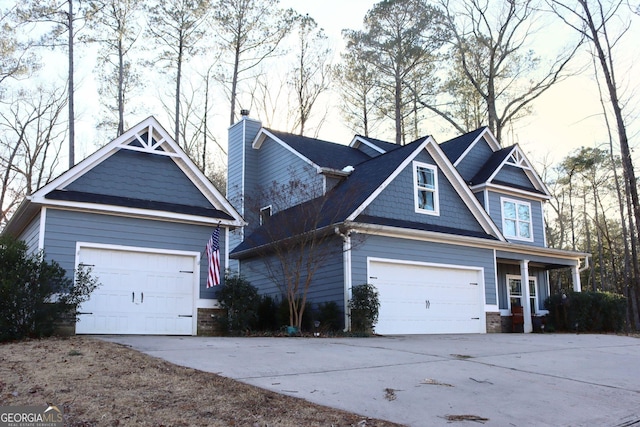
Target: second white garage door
424, 299
141, 292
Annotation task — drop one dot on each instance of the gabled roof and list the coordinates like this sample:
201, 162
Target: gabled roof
320, 154
376, 144
149, 137
347, 201
458, 147
513, 156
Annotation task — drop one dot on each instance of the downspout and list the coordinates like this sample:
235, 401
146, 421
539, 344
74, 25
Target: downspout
346, 266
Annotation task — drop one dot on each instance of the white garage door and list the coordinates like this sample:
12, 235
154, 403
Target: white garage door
140, 293
419, 299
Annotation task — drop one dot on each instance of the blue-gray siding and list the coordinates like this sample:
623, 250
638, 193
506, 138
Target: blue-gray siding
542, 288
31, 235
537, 220
140, 175
327, 283
514, 175
65, 228
398, 201
475, 159
280, 166
428, 252
241, 156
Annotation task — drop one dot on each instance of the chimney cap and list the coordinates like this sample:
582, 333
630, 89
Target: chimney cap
244, 113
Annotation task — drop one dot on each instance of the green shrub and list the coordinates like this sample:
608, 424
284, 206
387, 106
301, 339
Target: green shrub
587, 311
364, 305
283, 315
330, 316
267, 319
36, 294
241, 300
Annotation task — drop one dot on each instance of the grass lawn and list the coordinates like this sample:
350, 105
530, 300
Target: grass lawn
106, 384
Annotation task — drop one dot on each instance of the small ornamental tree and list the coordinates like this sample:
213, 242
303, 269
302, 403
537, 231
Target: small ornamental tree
364, 305
301, 232
34, 293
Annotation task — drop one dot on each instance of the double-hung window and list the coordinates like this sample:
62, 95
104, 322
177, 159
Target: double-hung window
425, 180
515, 292
516, 219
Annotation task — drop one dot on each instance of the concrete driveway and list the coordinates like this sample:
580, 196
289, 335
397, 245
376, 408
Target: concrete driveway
510, 379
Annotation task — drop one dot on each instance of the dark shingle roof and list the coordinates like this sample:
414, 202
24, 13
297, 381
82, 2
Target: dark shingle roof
384, 145
491, 165
338, 204
128, 202
454, 148
322, 153
422, 226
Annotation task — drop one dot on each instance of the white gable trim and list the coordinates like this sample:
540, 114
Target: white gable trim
163, 145
525, 165
489, 138
262, 136
510, 191
454, 178
464, 191
387, 181
357, 140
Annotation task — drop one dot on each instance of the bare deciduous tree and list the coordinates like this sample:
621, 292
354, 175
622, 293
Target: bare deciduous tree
249, 31
31, 136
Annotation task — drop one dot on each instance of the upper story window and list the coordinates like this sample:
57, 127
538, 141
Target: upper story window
425, 179
516, 219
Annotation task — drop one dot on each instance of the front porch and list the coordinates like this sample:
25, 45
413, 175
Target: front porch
522, 306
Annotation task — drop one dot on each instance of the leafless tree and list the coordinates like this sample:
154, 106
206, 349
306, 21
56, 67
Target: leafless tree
594, 20
490, 50
178, 26
311, 73
31, 136
249, 32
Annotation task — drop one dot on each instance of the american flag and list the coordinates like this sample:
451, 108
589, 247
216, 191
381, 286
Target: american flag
213, 256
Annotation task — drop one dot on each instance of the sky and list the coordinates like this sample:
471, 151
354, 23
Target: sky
564, 118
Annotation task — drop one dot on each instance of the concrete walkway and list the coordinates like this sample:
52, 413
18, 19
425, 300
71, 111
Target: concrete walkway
510, 379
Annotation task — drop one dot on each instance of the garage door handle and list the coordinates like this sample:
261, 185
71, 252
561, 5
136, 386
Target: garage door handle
427, 303
185, 315
133, 296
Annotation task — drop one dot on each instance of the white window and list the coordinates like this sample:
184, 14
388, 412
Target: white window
514, 285
516, 219
425, 180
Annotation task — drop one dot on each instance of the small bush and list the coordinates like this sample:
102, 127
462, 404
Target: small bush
364, 305
240, 298
330, 317
283, 315
267, 319
587, 311
36, 294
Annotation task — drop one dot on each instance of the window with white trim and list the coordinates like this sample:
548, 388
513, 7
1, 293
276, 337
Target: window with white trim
514, 286
425, 181
516, 219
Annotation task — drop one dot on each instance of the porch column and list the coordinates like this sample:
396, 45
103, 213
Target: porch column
575, 270
526, 296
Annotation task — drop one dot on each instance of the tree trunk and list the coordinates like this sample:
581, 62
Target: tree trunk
72, 131
120, 88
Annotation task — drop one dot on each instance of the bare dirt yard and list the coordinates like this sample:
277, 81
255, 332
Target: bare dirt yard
106, 384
